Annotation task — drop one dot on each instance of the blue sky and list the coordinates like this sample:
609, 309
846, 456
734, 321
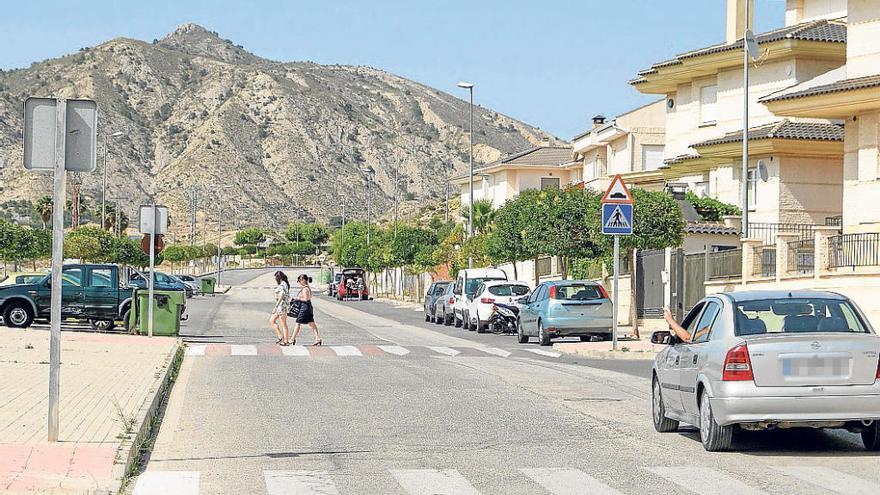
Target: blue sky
551, 63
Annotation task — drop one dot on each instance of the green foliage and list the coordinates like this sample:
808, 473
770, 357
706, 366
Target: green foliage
408, 242
19, 243
90, 244
249, 236
174, 253
484, 214
710, 209
314, 233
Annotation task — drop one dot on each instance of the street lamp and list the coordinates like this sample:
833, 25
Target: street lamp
220, 190
104, 180
368, 170
470, 88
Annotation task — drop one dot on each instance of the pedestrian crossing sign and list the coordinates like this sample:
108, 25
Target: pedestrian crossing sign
617, 219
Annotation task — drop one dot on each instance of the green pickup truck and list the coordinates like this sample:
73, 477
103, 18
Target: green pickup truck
89, 292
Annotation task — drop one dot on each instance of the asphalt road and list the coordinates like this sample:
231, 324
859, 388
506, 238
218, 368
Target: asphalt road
391, 405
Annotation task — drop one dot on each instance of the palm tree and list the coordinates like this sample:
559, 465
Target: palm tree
44, 209
114, 214
484, 215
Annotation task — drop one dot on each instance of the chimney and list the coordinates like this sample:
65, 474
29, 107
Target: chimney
736, 11
598, 120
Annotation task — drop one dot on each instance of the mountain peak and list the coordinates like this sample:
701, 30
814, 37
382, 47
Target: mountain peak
193, 39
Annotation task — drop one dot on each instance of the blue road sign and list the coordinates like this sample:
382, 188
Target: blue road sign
617, 219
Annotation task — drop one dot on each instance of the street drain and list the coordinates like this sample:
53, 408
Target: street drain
592, 399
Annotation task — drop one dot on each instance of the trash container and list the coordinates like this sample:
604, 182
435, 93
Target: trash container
167, 307
208, 285
326, 276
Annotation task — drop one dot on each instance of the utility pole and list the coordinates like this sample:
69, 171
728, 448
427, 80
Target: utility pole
747, 33
104, 181
192, 219
470, 88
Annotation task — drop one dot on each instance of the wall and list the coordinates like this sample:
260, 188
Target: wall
863, 31
696, 243
811, 189
861, 201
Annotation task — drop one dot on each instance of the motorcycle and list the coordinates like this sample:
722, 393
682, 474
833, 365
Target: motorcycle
503, 319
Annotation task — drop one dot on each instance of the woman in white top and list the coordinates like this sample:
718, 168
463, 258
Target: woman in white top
279, 312
306, 315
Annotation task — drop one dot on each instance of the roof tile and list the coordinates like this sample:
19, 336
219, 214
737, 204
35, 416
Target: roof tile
835, 87
785, 129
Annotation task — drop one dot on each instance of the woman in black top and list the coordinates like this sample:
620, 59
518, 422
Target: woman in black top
306, 313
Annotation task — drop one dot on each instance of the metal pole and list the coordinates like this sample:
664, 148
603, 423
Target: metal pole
616, 293
369, 207
104, 187
152, 272
219, 235
745, 136
58, 195
396, 194
192, 220
471, 172
446, 216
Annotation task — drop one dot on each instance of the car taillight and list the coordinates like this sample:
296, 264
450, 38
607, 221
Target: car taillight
552, 292
487, 300
737, 365
451, 300
604, 292
878, 369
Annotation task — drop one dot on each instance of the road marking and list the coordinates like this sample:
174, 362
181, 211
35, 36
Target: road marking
496, 351
295, 350
830, 479
433, 482
566, 481
167, 483
542, 352
299, 483
195, 350
346, 350
394, 349
242, 350
444, 350
704, 481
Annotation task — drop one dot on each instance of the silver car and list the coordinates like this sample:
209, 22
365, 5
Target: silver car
769, 359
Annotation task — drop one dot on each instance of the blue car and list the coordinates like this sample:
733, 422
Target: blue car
565, 308
162, 281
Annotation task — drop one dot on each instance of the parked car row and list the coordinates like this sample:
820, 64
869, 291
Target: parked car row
564, 308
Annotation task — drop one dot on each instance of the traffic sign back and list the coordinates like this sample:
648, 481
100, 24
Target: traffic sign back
617, 192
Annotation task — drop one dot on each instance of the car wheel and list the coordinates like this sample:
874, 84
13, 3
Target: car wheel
521, 337
447, 320
715, 438
18, 315
871, 437
586, 338
125, 316
470, 324
543, 336
427, 316
658, 410
481, 327
103, 325
457, 321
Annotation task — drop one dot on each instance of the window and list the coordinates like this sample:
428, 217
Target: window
705, 324
508, 290
578, 292
537, 293
439, 289
792, 315
72, 277
652, 156
690, 321
473, 283
102, 277
549, 183
701, 189
753, 188
708, 105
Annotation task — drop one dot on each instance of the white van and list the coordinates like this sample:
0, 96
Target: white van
466, 285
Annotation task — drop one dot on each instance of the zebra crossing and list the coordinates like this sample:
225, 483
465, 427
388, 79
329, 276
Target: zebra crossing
551, 480
365, 350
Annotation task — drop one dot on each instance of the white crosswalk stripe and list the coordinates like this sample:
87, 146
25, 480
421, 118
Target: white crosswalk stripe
242, 350
444, 350
195, 350
496, 351
433, 482
299, 483
542, 352
167, 483
705, 481
346, 350
566, 481
394, 349
831, 479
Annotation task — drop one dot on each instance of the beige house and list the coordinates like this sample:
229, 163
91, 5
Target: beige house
631, 145
703, 93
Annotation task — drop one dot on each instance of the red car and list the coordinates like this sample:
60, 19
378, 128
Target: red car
353, 285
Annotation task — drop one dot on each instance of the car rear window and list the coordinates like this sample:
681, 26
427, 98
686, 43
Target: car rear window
472, 284
790, 315
578, 292
508, 290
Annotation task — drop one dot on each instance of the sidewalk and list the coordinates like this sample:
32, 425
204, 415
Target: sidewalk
627, 348
109, 384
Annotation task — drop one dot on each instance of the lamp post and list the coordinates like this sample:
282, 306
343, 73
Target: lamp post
470, 88
104, 180
220, 190
368, 170
750, 49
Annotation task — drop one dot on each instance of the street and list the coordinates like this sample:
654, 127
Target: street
391, 404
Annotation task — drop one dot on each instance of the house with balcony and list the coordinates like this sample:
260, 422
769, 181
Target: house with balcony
703, 92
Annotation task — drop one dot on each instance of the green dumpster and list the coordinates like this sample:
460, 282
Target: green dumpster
167, 308
208, 285
326, 276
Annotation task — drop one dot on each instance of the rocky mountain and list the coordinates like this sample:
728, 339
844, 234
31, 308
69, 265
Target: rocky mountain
289, 139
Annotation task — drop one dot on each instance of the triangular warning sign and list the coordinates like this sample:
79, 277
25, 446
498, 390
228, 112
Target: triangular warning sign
617, 220
617, 192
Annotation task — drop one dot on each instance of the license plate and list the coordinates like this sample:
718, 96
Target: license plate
815, 366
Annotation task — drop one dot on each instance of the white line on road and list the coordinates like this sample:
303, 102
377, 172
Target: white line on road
565, 481
299, 483
195, 350
830, 479
346, 350
444, 350
496, 351
167, 483
242, 350
704, 481
394, 349
295, 350
542, 352
433, 482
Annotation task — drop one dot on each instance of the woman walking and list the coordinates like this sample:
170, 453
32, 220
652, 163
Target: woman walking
306, 313
279, 312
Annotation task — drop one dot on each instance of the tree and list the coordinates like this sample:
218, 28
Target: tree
249, 236
43, 206
483, 215
115, 219
89, 243
173, 254
309, 232
404, 246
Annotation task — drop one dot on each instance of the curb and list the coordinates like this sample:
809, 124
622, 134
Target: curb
130, 448
620, 354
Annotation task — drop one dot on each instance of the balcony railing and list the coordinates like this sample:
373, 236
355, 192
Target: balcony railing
801, 256
852, 250
767, 231
765, 261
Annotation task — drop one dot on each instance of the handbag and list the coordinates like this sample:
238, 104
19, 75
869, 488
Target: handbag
294, 307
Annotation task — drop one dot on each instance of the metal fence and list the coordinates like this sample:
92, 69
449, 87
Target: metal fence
801, 256
765, 261
767, 231
724, 264
854, 250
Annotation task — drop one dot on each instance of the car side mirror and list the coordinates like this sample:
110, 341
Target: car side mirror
662, 337
523, 300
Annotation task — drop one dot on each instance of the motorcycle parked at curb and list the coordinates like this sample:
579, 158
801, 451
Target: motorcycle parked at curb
503, 319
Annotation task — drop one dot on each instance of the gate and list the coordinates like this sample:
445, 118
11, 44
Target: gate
694, 280
649, 283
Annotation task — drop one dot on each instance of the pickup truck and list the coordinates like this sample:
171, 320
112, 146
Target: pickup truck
89, 292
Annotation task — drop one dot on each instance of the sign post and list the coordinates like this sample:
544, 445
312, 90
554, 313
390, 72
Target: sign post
59, 135
617, 220
153, 221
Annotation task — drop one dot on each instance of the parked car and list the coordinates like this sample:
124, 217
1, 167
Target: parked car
192, 282
434, 292
443, 312
23, 278
161, 281
333, 287
759, 360
353, 284
565, 308
91, 292
466, 284
487, 294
